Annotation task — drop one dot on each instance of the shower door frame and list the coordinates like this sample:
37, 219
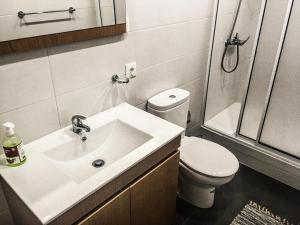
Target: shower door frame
211, 48
242, 140
271, 84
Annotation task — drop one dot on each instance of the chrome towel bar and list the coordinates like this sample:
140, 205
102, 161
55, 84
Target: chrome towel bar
22, 14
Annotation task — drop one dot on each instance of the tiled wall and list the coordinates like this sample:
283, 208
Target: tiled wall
169, 40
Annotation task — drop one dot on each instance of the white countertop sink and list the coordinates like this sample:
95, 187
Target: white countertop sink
109, 142
59, 171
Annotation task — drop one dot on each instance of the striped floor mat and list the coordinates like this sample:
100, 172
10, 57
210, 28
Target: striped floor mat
254, 214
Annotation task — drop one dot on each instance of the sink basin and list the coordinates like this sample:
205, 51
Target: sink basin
59, 170
109, 143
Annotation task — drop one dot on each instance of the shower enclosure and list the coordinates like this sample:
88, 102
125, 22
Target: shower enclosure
252, 95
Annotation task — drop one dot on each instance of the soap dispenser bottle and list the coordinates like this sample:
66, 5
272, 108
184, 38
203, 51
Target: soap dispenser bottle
13, 146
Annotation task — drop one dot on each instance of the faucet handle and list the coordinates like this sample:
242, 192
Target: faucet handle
78, 119
242, 42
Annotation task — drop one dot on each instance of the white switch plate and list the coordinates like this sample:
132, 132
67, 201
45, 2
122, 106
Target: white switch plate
130, 69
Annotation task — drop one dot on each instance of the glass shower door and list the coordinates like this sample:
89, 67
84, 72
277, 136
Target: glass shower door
262, 68
267, 116
225, 90
281, 126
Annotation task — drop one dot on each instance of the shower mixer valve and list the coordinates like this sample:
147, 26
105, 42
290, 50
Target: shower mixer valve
236, 41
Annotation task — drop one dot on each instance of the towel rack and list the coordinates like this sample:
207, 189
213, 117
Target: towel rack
22, 14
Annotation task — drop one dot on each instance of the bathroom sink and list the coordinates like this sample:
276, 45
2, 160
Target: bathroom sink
65, 170
105, 145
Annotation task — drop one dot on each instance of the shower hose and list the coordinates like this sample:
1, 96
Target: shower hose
237, 59
233, 42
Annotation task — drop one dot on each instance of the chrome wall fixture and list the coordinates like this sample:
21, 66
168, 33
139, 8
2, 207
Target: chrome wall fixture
22, 16
117, 79
233, 41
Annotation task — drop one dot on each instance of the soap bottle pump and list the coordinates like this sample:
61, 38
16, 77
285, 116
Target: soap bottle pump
13, 146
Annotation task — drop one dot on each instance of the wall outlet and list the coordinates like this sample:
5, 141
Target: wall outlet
130, 70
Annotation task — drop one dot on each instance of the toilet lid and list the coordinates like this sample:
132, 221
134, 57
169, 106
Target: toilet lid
207, 157
168, 99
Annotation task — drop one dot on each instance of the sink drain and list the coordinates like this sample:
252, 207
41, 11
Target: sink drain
98, 163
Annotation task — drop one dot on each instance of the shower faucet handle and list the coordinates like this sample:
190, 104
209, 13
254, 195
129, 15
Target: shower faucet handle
236, 41
241, 43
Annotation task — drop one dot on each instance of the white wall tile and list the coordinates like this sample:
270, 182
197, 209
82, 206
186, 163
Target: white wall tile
147, 14
93, 99
196, 89
34, 120
230, 6
158, 45
226, 6
174, 11
24, 82
78, 66
171, 74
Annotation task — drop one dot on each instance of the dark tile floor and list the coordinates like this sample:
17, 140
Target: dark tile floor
231, 198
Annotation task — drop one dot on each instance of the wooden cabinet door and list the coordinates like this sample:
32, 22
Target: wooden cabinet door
114, 212
153, 197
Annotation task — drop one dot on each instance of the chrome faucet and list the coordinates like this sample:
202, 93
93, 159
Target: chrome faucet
79, 127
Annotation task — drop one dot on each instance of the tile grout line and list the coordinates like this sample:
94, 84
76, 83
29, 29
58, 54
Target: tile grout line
27, 105
175, 58
190, 82
170, 24
54, 91
98, 83
142, 70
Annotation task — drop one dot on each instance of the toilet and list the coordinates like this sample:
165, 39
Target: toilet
204, 165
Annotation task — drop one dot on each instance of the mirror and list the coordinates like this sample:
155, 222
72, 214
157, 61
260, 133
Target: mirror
21, 20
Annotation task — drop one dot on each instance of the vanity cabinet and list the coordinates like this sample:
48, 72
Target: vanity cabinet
114, 212
145, 194
150, 200
153, 197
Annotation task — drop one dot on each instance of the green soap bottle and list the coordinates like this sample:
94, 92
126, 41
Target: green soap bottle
13, 146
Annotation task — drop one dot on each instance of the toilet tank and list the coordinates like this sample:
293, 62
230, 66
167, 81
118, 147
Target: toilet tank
171, 105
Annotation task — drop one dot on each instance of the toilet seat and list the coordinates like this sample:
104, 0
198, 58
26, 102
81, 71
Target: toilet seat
201, 179
207, 158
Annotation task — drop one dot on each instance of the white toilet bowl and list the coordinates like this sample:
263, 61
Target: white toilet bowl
203, 164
